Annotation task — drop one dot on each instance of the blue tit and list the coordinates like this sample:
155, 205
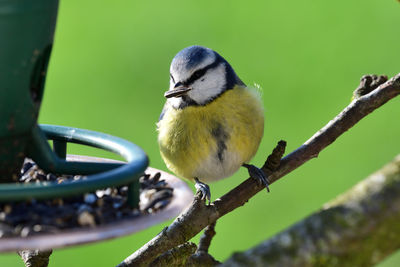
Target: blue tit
211, 123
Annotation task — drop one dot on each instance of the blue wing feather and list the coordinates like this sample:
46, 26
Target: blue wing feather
163, 112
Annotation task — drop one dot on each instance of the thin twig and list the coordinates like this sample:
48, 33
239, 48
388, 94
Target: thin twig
198, 216
202, 257
205, 239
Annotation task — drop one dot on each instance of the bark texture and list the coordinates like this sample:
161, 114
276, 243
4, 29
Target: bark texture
175, 257
35, 258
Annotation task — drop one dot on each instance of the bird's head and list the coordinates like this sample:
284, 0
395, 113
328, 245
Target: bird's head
198, 75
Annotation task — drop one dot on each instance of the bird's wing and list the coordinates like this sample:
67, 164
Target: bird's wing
163, 111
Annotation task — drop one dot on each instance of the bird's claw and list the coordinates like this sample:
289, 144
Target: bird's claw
204, 190
258, 174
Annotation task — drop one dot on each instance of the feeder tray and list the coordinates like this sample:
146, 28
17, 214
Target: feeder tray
182, 197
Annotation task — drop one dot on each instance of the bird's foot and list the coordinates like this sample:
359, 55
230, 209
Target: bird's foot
257, 174
204, 190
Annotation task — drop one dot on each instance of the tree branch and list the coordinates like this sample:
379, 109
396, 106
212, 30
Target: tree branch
198, 216
358, 228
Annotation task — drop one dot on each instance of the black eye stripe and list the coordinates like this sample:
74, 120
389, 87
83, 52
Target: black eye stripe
172, 77
199, 73
196, 75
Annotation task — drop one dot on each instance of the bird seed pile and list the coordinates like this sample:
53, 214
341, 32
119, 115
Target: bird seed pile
88, 210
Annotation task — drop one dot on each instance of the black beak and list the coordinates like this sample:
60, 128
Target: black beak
179, 90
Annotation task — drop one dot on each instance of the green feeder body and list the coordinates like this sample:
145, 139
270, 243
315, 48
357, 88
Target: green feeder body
26, 37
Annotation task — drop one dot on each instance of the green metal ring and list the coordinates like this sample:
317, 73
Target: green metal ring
111, 174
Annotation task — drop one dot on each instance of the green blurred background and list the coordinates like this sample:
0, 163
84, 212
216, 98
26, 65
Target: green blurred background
110, 67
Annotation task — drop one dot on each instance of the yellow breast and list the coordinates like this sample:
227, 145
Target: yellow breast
211, 142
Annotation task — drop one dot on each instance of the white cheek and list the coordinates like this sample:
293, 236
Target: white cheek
175, 102
209, 86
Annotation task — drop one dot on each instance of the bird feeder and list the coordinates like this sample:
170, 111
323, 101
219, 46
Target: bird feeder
27, 30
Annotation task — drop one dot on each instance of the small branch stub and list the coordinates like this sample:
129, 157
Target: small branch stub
274, 160
369, 83
35, 258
